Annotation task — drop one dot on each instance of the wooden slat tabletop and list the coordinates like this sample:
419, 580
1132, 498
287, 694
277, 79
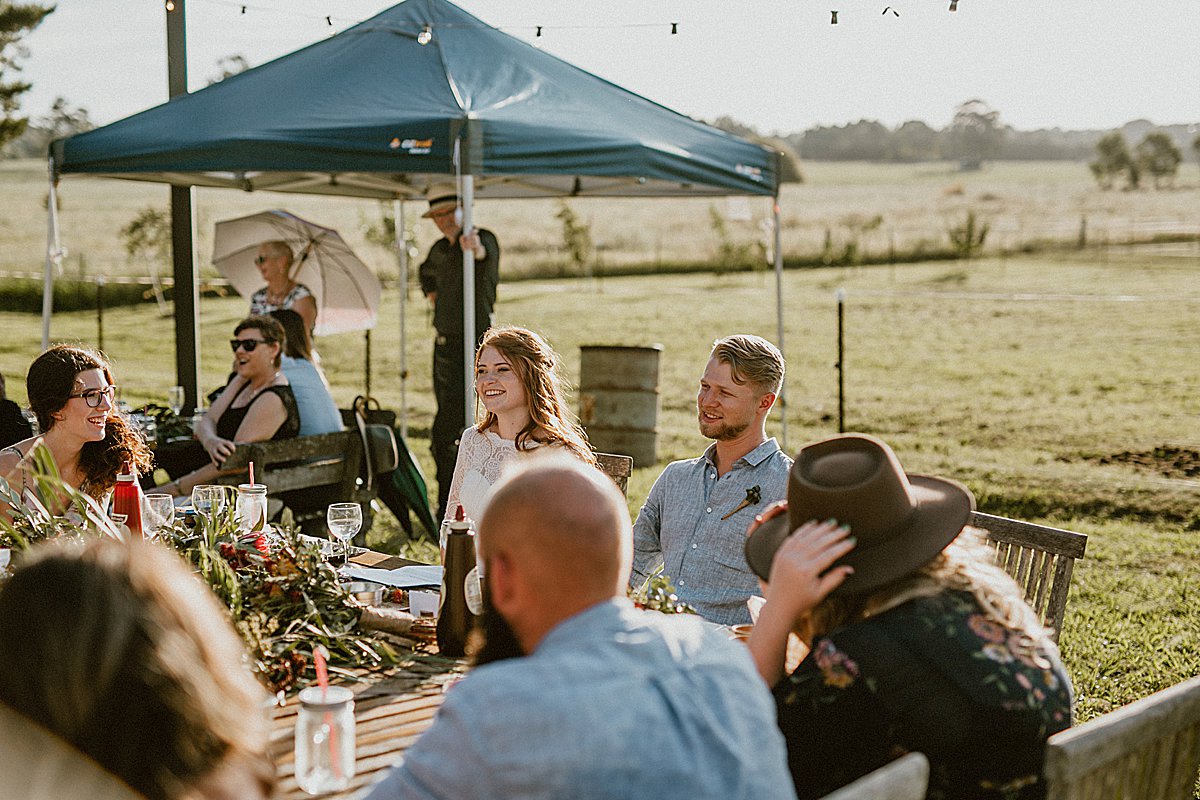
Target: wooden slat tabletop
391, 709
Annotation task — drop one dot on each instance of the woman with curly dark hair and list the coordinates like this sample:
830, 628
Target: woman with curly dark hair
71, 390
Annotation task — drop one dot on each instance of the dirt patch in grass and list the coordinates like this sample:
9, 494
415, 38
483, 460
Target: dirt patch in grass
1170, 462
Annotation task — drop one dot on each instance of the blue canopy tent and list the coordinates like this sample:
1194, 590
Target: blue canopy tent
420, 92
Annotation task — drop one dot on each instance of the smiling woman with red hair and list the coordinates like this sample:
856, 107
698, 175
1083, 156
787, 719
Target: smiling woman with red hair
519, 386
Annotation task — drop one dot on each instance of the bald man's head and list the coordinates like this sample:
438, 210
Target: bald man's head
561, 529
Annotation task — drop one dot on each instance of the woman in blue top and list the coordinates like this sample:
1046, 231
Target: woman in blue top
318, 412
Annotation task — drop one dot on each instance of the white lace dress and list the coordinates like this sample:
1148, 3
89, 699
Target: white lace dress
481, 458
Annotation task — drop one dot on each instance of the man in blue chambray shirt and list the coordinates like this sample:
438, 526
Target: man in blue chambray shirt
695, 518
601, 701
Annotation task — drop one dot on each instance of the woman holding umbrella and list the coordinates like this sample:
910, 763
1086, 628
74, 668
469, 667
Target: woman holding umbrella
274, 262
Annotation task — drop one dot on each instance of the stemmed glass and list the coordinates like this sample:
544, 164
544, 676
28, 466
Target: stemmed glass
209, 499
175, 399
162, 512
344, 520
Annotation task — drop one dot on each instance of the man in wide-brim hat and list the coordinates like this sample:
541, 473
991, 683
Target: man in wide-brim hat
442, 282
917, 640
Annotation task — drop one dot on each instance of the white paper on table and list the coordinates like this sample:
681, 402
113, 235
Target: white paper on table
401, 578
423, 604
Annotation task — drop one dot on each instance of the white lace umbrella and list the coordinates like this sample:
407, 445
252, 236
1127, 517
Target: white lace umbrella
346, 291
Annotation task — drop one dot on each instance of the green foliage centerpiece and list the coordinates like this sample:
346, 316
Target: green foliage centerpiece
283, 598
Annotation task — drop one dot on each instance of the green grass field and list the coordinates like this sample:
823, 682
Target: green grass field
1025, 203
1060, 389
1019, 377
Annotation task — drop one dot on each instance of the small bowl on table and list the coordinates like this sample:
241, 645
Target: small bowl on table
368, 593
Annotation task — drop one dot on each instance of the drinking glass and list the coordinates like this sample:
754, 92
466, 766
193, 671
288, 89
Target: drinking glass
344, 520
209, 499
161, 508
175, 399
325, 739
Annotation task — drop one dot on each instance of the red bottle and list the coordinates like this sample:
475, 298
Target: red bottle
127, 500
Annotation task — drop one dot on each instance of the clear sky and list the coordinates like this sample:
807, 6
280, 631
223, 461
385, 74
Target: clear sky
776, 64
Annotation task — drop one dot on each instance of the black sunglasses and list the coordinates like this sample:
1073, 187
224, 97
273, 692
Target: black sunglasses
247, 344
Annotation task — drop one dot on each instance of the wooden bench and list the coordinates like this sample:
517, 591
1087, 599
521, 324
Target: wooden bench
906, 778
619, 468
306, 474
1040, 559
1147, 750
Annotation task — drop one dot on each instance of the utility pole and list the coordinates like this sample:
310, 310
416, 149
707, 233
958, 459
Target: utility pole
183, 228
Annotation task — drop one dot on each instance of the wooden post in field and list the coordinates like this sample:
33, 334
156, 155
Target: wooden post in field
841, 353
367, 362
183, 228
100, 313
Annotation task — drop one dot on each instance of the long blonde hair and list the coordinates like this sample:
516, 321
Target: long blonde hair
536, 365
967, 564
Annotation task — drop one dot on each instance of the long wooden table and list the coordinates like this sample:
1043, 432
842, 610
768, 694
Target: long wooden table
391, 709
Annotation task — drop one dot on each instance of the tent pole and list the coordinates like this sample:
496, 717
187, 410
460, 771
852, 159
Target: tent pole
468, 202
401, 239
53, 255
783, 409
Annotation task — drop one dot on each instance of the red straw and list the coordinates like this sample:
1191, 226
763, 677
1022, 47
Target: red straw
252, 472
322, 674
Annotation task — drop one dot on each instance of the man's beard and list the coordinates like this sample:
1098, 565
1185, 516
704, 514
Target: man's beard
493, 638
721, 431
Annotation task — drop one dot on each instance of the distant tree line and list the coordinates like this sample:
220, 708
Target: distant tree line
913, 141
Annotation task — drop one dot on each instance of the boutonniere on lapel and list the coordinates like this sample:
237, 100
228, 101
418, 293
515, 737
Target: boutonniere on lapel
753, 498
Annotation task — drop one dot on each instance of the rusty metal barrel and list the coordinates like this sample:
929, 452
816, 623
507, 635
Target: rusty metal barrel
618, 400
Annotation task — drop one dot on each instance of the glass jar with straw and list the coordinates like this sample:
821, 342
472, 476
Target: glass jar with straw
324, 734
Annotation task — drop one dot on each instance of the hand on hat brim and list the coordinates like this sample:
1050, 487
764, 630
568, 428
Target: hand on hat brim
802, 572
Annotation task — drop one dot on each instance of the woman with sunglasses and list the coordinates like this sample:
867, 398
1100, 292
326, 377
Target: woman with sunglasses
71, 391
274, 262
256, 406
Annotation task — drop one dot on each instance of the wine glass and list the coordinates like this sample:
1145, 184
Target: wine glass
161, 509
175, 399
208, 499
344, 520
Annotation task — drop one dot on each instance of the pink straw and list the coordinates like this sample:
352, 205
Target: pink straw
319, 656
251, 472
322, 673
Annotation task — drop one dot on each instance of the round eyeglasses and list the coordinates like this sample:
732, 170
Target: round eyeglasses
92, 396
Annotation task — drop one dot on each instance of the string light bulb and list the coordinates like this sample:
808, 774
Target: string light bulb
954, 5
538, 35
243, 9
425, 36
833, 18
170, 5
674, 28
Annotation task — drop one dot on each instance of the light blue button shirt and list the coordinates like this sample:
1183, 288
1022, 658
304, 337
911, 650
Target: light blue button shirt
683, 526
614, 703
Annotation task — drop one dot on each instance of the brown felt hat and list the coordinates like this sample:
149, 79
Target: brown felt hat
900, 521
441, 196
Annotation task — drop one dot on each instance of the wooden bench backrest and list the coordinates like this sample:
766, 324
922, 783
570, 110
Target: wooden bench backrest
619, 468
1147, 750
330, 459
1040, 559
906, 778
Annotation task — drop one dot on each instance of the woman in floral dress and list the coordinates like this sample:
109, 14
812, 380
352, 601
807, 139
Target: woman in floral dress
918, 641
